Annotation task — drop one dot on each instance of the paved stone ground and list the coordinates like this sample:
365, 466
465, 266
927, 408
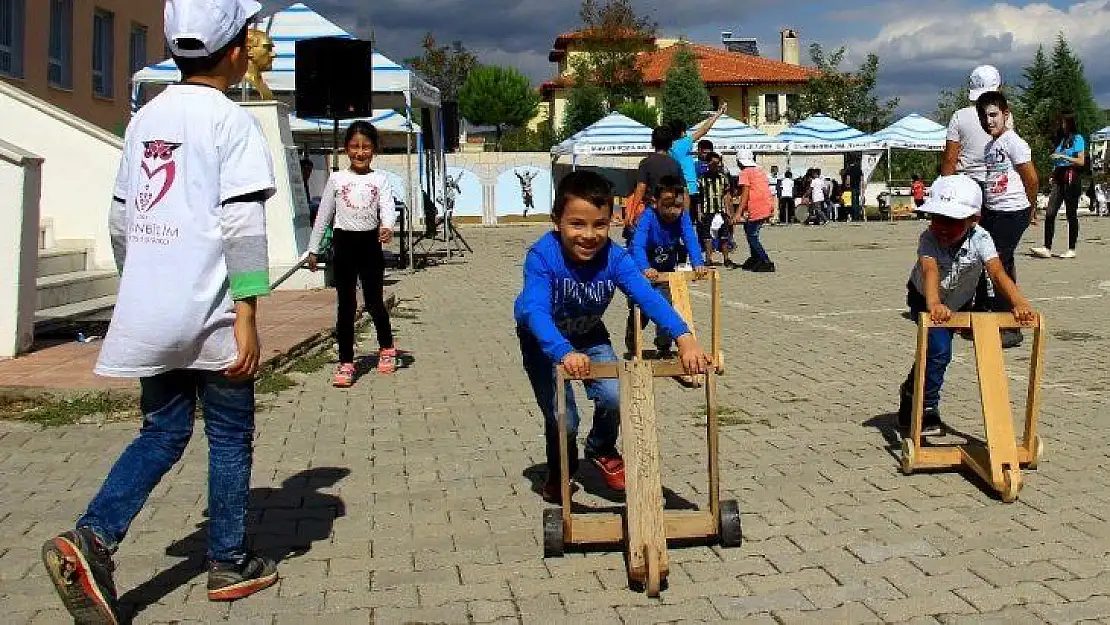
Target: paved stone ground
409, 499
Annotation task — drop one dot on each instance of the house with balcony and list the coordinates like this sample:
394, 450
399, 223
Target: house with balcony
759, 90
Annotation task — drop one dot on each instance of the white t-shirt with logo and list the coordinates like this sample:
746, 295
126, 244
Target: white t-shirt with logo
817, 190
356, 202
965, 129
1001, 156
189, 247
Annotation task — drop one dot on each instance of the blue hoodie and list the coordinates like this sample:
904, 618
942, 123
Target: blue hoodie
562, 303
655, 244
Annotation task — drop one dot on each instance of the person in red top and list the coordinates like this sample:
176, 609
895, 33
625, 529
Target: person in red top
755, 208
917, 189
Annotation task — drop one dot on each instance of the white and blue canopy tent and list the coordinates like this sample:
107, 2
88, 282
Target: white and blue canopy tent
913, 132
730, 135
394, 87
821, 134
612, 135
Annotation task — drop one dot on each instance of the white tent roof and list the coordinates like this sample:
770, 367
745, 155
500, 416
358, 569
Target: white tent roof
730, 135
914, 132
821, 133
298, 22
385, 120
612, 134
1101, 135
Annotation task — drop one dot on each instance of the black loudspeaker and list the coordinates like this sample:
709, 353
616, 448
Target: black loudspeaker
450, 126
426, 129
334, 76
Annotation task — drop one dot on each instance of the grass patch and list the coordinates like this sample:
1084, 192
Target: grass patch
727, 415
56, 411
273, 383
311, 363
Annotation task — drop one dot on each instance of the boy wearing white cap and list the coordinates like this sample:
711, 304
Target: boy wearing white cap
952, 255
189, 235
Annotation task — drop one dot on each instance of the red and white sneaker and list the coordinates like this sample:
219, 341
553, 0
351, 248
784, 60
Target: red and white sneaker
344, 375
612, 469
387, 360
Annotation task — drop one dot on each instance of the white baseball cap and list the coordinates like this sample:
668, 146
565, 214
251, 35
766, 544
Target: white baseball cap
983, 79
746, 158
958, 197
212, 23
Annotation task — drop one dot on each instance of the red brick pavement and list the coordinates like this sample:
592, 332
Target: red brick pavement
286, 319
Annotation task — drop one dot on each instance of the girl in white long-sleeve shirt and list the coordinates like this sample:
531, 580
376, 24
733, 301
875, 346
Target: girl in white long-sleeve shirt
360, 202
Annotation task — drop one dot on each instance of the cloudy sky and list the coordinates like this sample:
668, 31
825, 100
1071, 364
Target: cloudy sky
923, 46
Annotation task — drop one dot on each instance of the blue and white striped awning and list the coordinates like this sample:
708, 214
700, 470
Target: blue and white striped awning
731, 135
1101, 135
293, 24
612, 134
385, 120
914, 132
821, 133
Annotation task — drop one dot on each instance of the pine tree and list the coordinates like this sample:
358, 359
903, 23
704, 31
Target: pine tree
497, 96
685, 97
1071, 91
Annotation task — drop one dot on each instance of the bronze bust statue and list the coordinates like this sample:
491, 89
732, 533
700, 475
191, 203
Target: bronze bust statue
260, 54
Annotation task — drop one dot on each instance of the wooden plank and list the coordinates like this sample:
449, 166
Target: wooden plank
1004, 320
643, 485
994, 391
637, 333
938, 457
680, 299
606, 528
660, 369
1033, 394
564, 455
978, 459
715, 319
919, 380
712, 434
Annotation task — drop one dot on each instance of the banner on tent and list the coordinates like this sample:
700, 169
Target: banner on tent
624, 148
870, 162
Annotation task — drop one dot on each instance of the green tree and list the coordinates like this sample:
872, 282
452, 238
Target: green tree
612, 36
497, 96
847, 96
684, 96
528, 140
642, 112
585, 104
948, 102
446, 67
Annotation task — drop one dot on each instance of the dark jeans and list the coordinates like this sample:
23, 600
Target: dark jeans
1068, 195
786, 210
605, 394
662, 341
857, 207
751, 231
169, 403
358, 258
1006, 228
938, 352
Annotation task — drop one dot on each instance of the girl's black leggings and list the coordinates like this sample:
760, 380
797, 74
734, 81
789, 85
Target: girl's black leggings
1068, 195
357, 258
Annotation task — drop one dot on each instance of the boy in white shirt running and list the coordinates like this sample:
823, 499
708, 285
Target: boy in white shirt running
189, 235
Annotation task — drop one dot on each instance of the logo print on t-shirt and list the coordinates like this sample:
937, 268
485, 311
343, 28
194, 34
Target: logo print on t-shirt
159, 177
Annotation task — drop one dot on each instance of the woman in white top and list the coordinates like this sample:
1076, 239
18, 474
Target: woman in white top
360, 203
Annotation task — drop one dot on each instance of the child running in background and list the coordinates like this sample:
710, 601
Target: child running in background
360, 201
664, 230
952, 256
570, 277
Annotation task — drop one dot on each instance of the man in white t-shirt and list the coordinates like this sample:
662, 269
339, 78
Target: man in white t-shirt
188, 231
1010, 183
963, 152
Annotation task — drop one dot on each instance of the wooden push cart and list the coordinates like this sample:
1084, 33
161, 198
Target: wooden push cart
1000, 459
645, 527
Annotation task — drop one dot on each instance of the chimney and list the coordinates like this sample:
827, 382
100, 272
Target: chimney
791, 48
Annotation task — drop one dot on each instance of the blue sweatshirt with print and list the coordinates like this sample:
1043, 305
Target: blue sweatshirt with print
655, 243
562, 302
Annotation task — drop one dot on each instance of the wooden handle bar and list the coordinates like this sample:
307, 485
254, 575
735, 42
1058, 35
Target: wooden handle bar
962, 321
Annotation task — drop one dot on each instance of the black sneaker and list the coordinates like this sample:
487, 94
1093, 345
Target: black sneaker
81, 569
905, 408
228, 581
767, 267
748, 264
931, 424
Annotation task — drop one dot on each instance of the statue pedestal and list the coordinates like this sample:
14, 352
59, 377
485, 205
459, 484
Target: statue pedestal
288, 223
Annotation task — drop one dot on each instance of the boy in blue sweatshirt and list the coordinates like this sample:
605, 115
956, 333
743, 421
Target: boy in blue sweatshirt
665, 231
570, 277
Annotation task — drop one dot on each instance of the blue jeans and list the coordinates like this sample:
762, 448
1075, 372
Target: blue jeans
605, 394
938, 353
751, 231
169, 403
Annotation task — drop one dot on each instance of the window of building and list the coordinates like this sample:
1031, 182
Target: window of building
103, 49
771, 108
12, 26
137, 48
59, 62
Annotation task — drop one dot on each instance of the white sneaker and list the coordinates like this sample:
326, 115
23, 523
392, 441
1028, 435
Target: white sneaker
1041, 252
1068, 254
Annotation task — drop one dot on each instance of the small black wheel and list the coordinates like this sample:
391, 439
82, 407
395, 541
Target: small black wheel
553, 533
730, 533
